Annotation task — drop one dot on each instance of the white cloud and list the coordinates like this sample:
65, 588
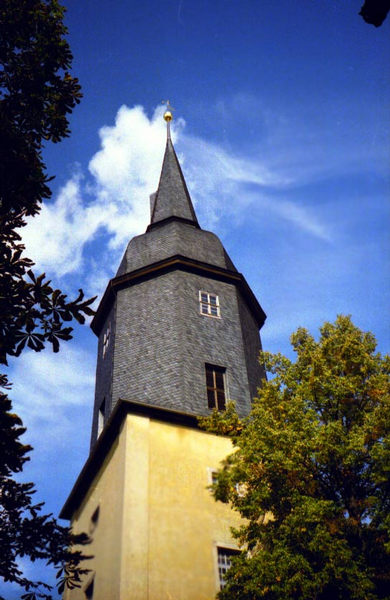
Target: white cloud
219, 181
46, 387
56, 237
126, 170
124, 173
301, 217
112, 198
222, 184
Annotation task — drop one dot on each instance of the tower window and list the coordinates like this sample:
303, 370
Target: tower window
215, 383
101, 417
106, 340
212, 476
224, 563
209, 304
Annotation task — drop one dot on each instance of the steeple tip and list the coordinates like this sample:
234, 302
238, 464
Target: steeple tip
168, 116
172, 200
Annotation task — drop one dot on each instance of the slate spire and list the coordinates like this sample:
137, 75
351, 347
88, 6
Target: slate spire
156, 322
172, 200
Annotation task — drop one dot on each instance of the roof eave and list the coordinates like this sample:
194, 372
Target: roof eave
176, 262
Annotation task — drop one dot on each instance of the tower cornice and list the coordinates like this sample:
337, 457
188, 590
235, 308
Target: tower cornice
174, 263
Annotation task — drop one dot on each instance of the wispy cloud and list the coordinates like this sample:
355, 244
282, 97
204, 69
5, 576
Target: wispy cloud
57, 236
226, 185
48, 385
301, 217
111, 199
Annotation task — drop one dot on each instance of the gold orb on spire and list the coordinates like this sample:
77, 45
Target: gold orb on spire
168, 113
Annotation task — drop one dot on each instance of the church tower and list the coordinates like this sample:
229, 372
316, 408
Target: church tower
178, 330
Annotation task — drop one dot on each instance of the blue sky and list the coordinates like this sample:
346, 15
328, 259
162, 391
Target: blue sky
282, 128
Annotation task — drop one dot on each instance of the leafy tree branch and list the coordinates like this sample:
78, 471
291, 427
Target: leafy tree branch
310, 474
37, 94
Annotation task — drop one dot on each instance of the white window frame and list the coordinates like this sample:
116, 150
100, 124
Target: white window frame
214, 369
209, 305
222, 546
101, 417
106, 340
212, 475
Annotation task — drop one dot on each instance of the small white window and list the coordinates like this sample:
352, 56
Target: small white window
209, 304
101, 417
212, 476
106, 340
224, 563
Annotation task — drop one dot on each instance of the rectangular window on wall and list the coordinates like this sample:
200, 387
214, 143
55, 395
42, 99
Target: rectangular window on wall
224, 563
216, 386
101, 417
213, 476
106, 340
209, 304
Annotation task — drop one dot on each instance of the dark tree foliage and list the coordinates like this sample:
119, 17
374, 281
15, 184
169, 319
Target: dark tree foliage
24, 531
375, 12
310, 474
37, 93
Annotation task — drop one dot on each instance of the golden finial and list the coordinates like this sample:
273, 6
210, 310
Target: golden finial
168, 113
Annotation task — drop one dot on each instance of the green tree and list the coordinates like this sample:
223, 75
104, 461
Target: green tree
37, 93
375, 12
24, 530
310, 473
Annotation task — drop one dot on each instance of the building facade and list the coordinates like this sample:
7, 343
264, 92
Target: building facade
178, 330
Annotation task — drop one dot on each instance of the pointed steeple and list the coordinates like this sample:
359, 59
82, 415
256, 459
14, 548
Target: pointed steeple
172, 200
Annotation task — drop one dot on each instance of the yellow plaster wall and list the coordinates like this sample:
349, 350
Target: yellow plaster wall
107, 492
159, 526
186, 524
